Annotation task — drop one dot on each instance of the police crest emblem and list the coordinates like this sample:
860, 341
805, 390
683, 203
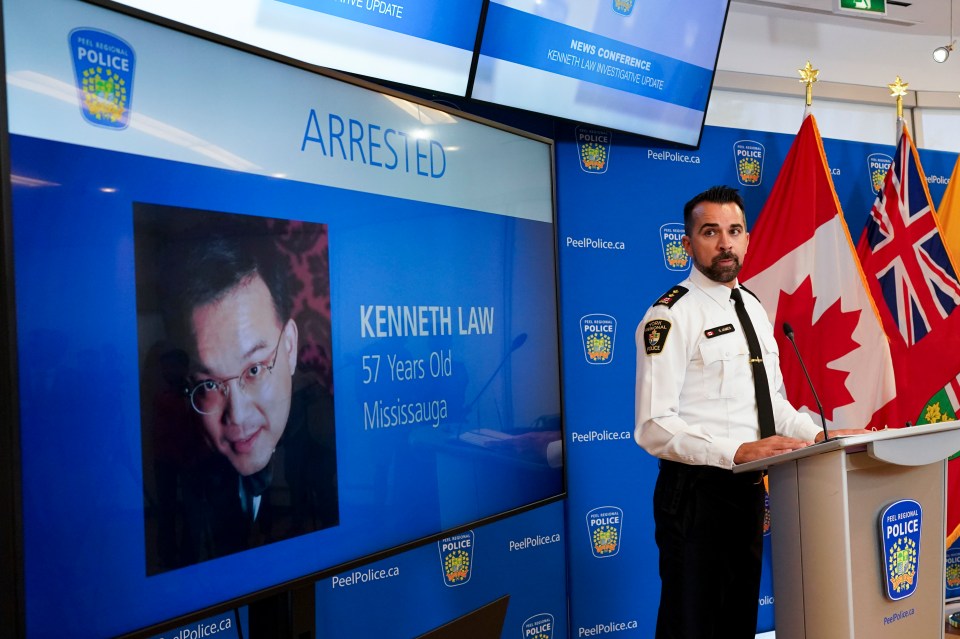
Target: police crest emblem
598, 332
593, 147
456, 558
623, 7
538, 626
605, 525
655, 335
674, 255
900, 524
877, 165
103, 65
953, 570
748, 156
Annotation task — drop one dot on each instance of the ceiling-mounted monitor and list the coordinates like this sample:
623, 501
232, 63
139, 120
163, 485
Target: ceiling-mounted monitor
427, 44
641, 67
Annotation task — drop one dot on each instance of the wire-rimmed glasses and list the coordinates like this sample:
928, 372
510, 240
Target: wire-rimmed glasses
209, 396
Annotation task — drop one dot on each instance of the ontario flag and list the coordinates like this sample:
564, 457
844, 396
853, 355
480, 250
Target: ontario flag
914, 282
802, 265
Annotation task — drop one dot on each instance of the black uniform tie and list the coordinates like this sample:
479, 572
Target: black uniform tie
760, 385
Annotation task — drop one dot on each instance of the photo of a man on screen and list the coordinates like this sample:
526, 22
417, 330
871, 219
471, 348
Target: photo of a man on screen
264, 467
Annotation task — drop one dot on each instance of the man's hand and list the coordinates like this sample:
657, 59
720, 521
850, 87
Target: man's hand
844, 432
767, 447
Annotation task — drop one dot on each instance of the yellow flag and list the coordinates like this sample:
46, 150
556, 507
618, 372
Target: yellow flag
949, 211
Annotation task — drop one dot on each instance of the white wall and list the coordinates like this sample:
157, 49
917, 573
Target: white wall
757, 85
938, 129
766, 103
772, 41
783, 114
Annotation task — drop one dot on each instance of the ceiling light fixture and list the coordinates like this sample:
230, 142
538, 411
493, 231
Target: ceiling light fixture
940, 54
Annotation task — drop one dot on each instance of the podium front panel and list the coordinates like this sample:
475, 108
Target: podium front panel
872, 486
829, 580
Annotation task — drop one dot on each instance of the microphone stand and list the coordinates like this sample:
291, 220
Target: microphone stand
788, 331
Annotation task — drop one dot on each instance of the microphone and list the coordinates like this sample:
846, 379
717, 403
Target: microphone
788, 331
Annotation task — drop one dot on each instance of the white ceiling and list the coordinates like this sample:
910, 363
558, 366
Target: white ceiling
777, 37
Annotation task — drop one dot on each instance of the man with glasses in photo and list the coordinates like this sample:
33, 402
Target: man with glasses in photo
273, 477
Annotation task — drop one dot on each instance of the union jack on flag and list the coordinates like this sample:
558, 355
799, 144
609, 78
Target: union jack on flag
916, 279
913, 280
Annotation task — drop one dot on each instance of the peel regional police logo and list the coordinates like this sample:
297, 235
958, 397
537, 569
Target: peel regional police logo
953, 569
103, 66
748, 156
599, 332
456, 558
538, 626
900, 537
623, 7
605, 525
593, 147
674, 256
877, 165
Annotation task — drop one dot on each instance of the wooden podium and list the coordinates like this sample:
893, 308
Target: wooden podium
828, 559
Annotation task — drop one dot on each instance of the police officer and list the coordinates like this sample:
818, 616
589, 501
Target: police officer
700, 410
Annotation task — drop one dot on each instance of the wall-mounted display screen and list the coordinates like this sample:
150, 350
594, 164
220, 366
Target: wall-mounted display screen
645, 68
427, 44
268, 322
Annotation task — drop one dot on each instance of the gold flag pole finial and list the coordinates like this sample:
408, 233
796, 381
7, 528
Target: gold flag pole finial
897, 90
808, 75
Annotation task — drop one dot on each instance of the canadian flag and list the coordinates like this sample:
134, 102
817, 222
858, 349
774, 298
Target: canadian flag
802, 264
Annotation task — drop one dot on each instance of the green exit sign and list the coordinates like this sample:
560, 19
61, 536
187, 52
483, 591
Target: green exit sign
871, 7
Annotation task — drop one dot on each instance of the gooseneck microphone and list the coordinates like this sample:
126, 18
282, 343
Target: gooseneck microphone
789, 333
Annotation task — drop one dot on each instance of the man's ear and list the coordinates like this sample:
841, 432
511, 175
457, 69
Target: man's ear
686, 245
291, 336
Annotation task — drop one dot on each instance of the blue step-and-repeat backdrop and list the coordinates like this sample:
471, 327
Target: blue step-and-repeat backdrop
620, 210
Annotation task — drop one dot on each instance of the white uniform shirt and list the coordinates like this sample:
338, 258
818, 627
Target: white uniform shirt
695, 398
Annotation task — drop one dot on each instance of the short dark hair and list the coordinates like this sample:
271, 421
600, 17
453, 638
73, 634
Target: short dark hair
720, 194
202, 269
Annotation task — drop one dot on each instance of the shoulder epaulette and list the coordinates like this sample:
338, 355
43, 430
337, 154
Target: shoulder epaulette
751, 292
670, 298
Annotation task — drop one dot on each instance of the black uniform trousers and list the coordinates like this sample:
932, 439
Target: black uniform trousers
709, 530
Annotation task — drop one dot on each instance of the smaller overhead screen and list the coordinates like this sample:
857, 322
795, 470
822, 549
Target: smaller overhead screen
645, 68
427, 44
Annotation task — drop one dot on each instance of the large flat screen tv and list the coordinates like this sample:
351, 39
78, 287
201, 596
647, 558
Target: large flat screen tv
641, 67
263, 323
427, 44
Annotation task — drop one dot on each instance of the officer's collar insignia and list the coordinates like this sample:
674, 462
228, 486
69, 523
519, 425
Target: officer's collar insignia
670, 298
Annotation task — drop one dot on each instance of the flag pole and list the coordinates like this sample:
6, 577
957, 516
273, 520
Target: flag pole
808, 75
897, 90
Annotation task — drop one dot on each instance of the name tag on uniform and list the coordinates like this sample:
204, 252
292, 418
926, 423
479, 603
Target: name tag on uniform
718, 330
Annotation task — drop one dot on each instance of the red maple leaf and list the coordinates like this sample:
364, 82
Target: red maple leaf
820, 343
